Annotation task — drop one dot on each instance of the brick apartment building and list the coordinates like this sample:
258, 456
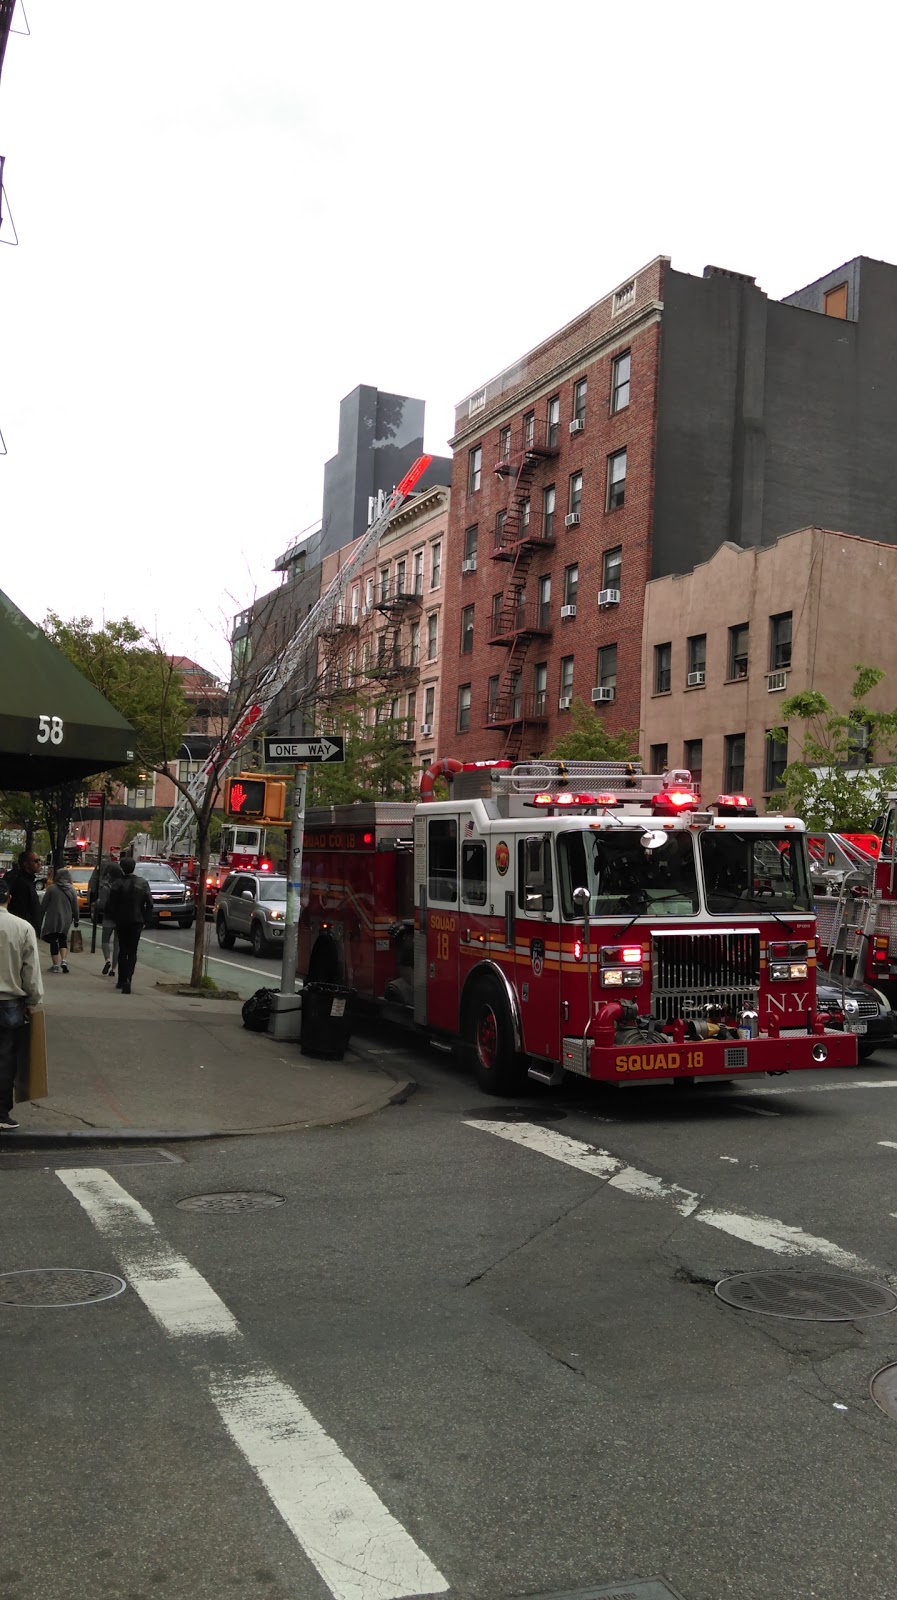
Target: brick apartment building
725, 644
676, 413
382, 647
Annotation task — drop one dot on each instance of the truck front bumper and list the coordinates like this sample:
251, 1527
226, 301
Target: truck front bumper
709, 1057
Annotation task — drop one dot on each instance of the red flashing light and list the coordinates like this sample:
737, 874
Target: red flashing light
265, 866
367, 838
577, 949
543, 800
606, 800
674, 800
632, 955
565, 799
734, 800
682, 797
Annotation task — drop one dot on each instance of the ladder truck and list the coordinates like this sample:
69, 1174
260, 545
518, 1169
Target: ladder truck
855, 882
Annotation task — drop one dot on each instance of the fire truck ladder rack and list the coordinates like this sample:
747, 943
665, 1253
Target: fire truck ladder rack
179, 824
847, 940
619, 781
510, 709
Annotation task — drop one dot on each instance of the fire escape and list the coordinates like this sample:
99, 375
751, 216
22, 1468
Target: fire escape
340, 671
517, 621
395, 662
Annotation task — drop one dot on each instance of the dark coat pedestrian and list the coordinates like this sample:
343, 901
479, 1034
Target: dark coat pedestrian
24, 900
130, 907
59, 912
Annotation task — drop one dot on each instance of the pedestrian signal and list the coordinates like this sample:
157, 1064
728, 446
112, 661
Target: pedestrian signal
248, 795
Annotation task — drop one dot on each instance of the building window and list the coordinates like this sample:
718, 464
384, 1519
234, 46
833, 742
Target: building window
432, 636
612, 568
475, 469
356, 602
418, 572
566, 687
410, 714
464, 708
351, 674
663, 668
384, 583
496, 613
616, 480
435, 565
571, 584
694, 759
369, 594
548, 505
659, 758
529, 430
470, 544
574, 498
524, 518
501, 518
619, 393
401, 567
467, 630
776, 760
738, 651
836, 301
365, 657
697, 657
780, 642
429, 704
545, 600
733, 775
607, 667
554, 419
492, 694
415, 644
580, 389
540, 686
859, 745
504, 445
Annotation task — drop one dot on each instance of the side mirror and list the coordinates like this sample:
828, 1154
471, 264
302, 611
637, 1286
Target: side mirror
247, 894
534, 902
582, 899
654, 840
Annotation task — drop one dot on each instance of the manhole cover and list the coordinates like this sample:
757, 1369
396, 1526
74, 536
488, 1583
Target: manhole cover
58, 1286
883, 1390
806, 1296
232, 1201
515, 1114
631, 1589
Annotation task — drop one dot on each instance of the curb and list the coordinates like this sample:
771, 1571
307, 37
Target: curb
30, 1138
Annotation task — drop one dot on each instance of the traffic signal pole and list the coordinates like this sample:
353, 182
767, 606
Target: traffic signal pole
294, 885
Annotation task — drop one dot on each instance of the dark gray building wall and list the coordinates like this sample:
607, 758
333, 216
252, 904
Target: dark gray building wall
773, 417
380, 437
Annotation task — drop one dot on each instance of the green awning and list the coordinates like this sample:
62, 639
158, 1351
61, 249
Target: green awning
54, 725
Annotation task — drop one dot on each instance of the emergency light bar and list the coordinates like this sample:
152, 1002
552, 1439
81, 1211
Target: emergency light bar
674, 801
733, 805
566, 798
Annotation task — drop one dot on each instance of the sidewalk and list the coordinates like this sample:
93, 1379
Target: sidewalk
160, 1063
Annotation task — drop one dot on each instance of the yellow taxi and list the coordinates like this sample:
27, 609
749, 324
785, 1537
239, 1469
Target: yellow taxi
80, 877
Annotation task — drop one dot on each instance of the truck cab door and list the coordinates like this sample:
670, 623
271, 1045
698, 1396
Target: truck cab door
538, 954
442, 921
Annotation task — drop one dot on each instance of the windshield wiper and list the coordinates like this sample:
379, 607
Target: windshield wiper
738, 900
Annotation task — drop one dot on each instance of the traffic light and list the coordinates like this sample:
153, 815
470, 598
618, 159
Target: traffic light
260, 799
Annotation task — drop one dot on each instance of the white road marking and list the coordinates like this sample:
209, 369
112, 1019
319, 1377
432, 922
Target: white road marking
162, 944
888, 1143
765, 1232
758, 1111
826, 1088
360, 1549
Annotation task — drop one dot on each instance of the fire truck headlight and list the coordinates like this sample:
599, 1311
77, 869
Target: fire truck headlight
780, 971
798, 969
612, 978
632, 977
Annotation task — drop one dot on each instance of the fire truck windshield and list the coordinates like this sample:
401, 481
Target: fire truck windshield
625, 879
755, 871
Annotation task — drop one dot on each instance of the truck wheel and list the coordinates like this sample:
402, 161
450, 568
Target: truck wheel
226, 940
258, 940
489, 1040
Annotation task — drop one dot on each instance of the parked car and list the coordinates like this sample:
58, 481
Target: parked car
172, 900
253, 906
865, 1012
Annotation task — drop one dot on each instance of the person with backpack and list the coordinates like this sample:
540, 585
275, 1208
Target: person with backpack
59, 911
130, 907
111, 874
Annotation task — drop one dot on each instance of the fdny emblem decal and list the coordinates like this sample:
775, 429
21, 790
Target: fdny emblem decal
502, 858
537, 956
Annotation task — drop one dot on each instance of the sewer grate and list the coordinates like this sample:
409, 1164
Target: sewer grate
883, 1390
230, 1202
58, 1286
806, 1296
515, 1114
629, 1589
49, 1160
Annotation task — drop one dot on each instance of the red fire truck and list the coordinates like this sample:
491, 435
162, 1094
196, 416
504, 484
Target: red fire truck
855, 881
574, 917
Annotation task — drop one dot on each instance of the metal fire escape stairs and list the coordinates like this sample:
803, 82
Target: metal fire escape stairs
179, 825
516, 546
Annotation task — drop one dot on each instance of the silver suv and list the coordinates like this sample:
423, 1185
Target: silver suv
253, 906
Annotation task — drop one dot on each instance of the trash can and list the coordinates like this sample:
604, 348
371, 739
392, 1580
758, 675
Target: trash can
328, 1013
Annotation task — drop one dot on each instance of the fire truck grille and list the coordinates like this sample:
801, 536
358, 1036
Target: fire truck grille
691, 971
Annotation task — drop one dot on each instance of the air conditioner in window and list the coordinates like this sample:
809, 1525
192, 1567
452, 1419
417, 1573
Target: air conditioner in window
469, 565
608, 597
694, 678
565, 702
568, 611
776, 680
577, 425
599, 696
571, 520
426, 729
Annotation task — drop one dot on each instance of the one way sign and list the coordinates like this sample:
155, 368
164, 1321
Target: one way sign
329, 747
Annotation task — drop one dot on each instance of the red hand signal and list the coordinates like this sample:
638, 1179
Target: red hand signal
237, 797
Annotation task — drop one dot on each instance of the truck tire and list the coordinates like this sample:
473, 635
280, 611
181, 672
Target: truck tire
258, 941
225, 940
488, 1037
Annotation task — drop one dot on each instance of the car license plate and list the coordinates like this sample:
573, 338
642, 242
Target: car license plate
856, 1027
168, 914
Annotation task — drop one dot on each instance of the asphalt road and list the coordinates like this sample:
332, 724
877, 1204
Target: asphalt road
172, 950
472, 1353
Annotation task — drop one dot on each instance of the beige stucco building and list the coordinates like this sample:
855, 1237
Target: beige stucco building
725, 644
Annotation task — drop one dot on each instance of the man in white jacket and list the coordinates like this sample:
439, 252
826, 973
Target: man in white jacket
21, 990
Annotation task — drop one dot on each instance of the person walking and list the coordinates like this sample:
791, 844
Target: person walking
111, 873
130, 907
59, 912
24, 900
21, 991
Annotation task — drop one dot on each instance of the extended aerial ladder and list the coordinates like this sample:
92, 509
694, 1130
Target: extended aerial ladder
180, 820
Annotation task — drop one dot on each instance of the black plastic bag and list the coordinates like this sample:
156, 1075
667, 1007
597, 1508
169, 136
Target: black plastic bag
257, 1009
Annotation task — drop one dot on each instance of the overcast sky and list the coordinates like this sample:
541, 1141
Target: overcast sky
231, 213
